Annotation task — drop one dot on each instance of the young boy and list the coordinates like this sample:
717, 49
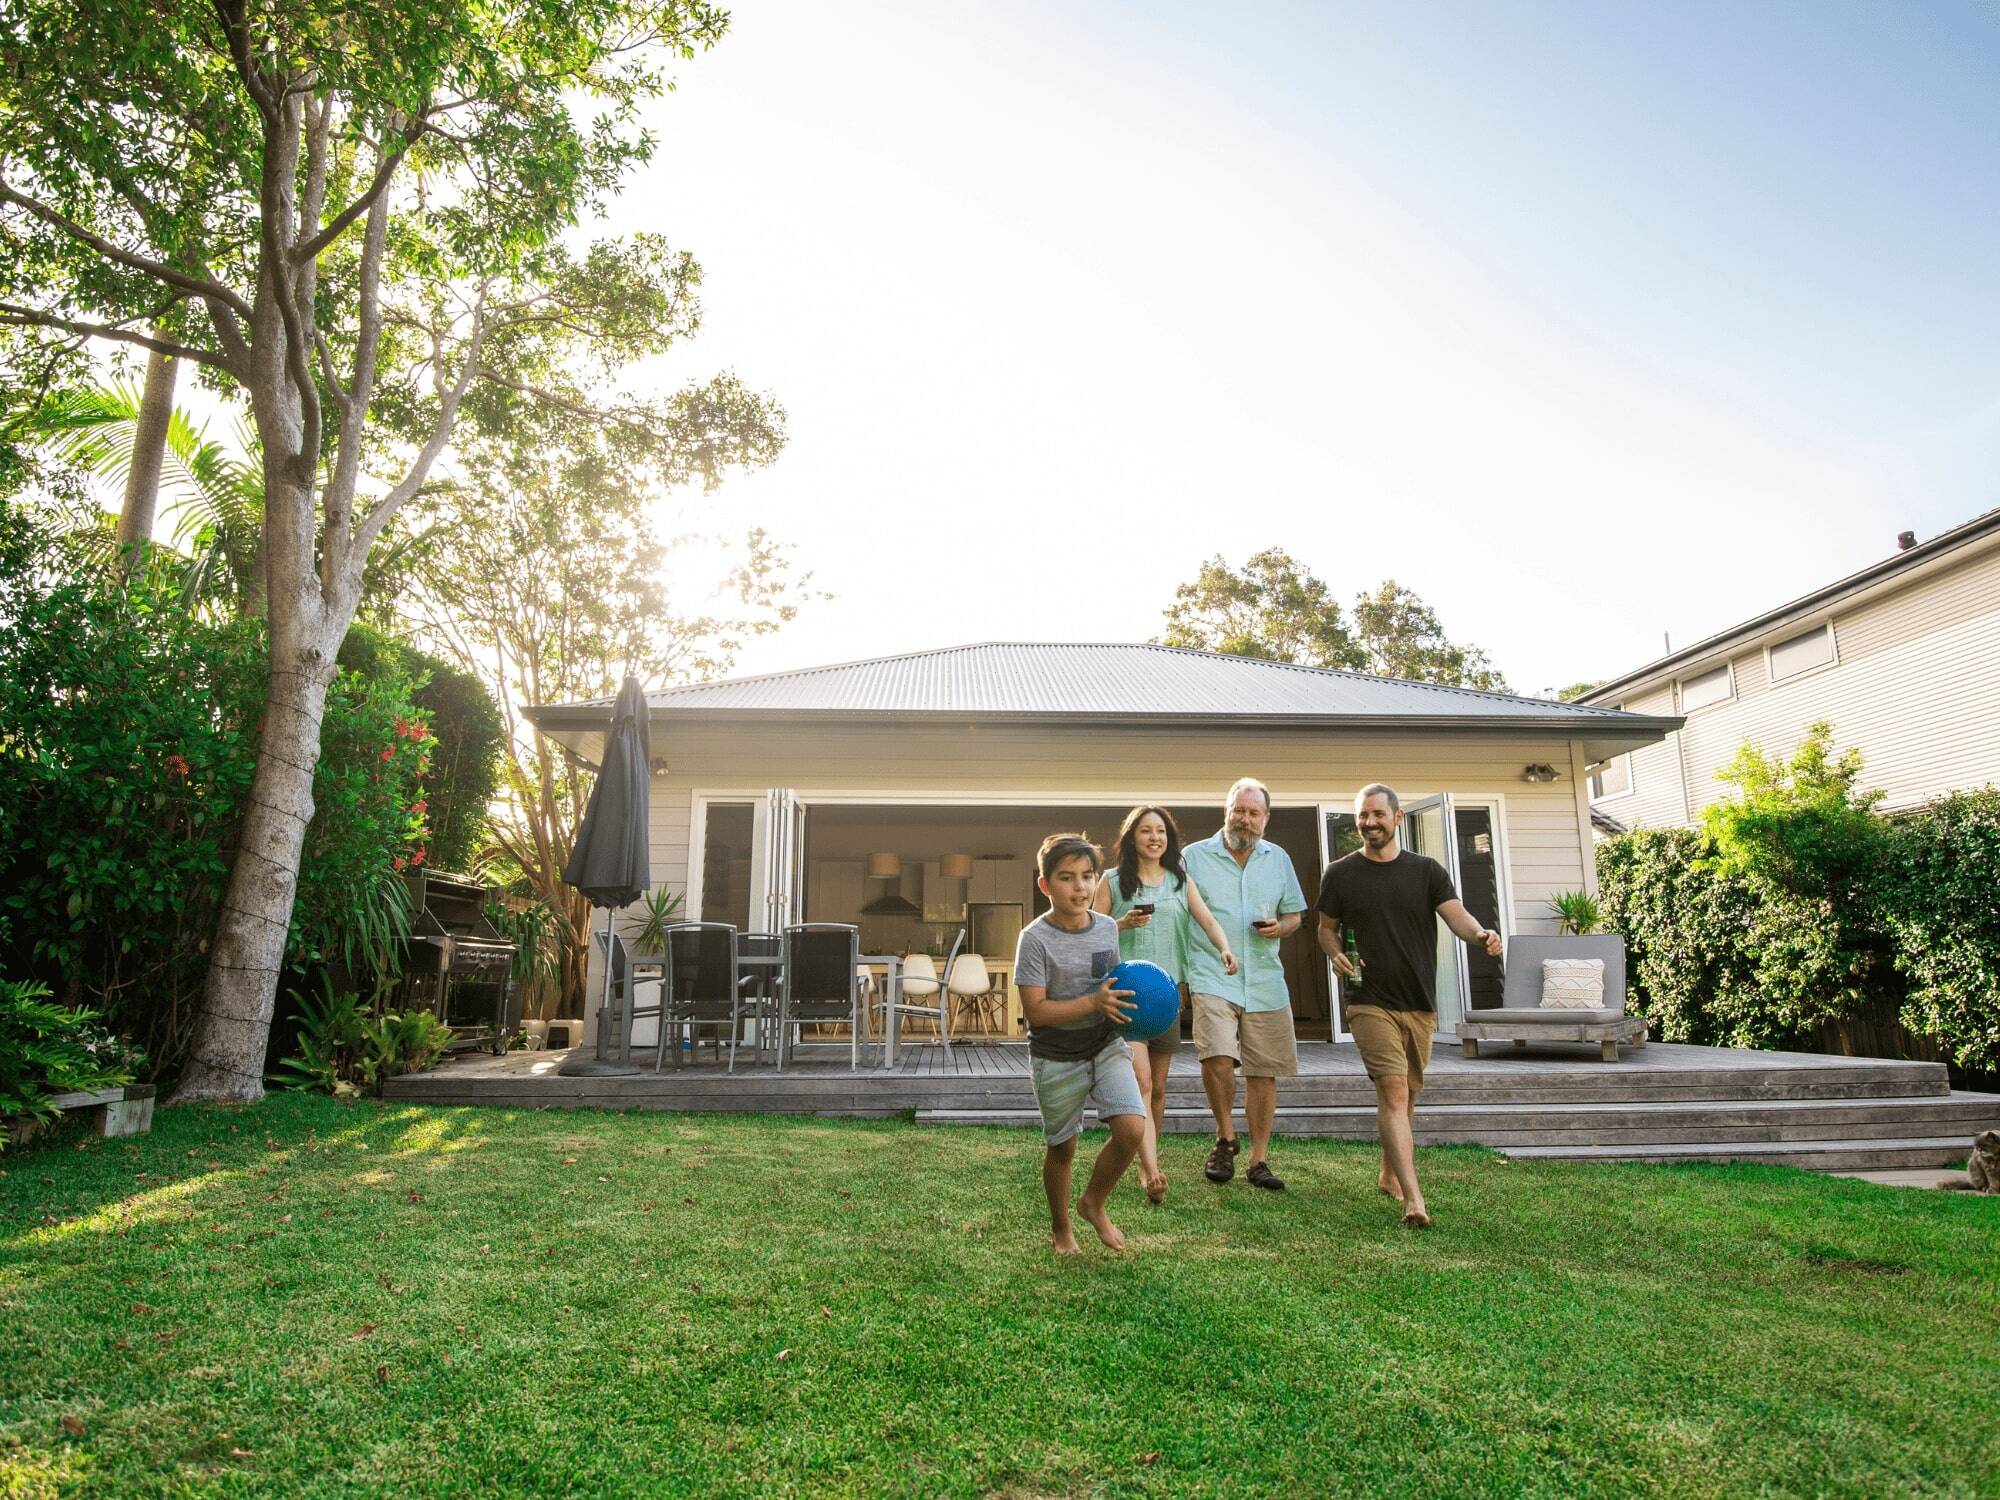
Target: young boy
1060, 969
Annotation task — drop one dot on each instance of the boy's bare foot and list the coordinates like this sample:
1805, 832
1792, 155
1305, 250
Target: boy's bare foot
1156, 1188
1387, 1186
1415, 1216
1064, 1241
1110, 1233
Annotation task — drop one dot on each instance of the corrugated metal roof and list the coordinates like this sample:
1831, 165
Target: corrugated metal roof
1045, 679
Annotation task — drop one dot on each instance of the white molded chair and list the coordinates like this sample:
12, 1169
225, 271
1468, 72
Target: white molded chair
971, 985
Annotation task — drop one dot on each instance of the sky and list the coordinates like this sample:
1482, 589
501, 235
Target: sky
1599, 325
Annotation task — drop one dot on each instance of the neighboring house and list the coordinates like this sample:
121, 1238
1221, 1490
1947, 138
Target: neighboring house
1903, 658
775, 797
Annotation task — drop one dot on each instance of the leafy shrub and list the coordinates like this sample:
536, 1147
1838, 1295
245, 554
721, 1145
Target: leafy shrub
1940, 898
128, 728
465, 722
344, 1050
48, 1049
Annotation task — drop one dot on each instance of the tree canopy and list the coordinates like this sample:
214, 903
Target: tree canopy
1276, 608
362, 217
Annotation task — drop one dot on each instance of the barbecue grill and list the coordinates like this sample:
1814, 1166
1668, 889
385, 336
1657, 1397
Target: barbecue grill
456, 965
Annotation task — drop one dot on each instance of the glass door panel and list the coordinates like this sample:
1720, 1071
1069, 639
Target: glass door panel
1339, 837
1428, 829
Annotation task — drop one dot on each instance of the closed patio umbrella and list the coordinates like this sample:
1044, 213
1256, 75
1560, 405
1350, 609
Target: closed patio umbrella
608, 863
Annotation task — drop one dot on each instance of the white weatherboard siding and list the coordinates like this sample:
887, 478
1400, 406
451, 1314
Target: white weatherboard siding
1915, 686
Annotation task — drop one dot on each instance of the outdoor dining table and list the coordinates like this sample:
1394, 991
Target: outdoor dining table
892, 991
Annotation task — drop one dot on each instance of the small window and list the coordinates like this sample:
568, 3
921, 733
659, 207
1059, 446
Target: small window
1813, 648
1611, 779
1710, 687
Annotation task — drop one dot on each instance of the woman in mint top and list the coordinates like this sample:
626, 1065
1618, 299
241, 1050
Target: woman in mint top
1147, 890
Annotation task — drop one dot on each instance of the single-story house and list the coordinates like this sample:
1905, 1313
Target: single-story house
1903, 658
908, 794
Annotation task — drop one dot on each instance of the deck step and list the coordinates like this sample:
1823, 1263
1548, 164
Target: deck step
1642, 1131
1817, 1156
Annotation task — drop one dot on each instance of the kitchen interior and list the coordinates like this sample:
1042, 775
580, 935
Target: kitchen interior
911, 876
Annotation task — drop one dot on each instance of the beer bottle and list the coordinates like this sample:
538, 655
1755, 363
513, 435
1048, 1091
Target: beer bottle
1353, 951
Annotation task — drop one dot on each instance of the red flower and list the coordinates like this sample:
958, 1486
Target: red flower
177, 765
418, 857
418, 808
396, 863
402, 728
389, 752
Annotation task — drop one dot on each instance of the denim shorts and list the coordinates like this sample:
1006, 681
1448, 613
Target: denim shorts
1063, 1088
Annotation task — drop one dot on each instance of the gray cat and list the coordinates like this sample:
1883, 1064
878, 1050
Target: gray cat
1982, 1168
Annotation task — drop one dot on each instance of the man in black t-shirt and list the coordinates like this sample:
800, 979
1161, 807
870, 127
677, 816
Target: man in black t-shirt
1390, 899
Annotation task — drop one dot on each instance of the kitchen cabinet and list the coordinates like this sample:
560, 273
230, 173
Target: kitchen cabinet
836, 889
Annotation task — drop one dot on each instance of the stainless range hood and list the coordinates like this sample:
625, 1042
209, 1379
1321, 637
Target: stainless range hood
891, 904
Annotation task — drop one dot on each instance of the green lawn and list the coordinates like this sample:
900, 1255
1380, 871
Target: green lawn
314, 1298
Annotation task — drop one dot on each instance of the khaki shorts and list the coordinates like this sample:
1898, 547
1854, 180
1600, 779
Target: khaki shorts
1261, 1042
1393, 1043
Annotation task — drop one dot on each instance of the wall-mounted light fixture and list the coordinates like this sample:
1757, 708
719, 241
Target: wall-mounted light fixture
1540, 771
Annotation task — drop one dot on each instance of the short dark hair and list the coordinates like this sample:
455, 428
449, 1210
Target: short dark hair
1058, 847
1376, 789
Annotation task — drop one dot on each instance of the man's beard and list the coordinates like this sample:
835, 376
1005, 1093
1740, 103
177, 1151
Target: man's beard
1238, 839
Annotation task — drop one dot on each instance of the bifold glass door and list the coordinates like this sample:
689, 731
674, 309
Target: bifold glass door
777, 876
1428, 828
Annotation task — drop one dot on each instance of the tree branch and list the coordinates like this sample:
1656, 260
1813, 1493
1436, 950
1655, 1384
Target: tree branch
29, 317
208, 291
230, 13
385, 170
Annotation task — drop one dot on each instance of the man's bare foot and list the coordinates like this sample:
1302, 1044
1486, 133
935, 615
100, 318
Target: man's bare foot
1415, 1216
1064, 1241
1388, 1187
1110, 1233
1156, 1188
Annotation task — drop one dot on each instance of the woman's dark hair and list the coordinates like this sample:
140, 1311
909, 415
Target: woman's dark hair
1125, 853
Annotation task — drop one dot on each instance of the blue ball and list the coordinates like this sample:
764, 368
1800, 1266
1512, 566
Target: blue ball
1155, 1002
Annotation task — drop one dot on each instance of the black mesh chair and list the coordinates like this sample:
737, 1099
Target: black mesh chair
819, 984
704, 988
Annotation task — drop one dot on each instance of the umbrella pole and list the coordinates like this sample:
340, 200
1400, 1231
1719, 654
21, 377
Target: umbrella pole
604, 1000
600, 1065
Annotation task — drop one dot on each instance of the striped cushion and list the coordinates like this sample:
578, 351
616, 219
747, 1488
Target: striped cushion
1572, 983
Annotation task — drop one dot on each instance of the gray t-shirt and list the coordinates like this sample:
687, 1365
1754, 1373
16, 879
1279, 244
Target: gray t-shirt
1067, 965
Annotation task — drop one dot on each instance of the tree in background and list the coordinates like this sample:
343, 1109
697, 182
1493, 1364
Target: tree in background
1402, 637
355, 216
547, 577
1576, 690
1277, 609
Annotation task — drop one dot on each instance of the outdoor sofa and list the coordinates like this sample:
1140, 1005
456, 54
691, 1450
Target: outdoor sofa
1521, 1017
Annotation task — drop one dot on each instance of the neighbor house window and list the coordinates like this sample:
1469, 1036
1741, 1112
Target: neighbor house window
1803, 652
1612, 778
1710, 687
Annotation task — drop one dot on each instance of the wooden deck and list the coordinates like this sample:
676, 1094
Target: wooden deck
1657, 1103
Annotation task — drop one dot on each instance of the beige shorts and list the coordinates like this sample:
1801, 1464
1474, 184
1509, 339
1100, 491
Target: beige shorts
1393, 1043
1261, 1042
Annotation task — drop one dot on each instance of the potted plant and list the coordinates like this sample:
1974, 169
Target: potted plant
1577, 913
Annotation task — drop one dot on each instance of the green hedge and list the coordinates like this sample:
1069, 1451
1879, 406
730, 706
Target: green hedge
1941, 904
1720, 956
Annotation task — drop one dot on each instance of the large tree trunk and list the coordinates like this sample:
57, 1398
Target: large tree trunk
249, 950
149, 453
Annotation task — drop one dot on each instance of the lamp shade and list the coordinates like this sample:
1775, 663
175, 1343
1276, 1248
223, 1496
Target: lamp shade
885, 866
956, 867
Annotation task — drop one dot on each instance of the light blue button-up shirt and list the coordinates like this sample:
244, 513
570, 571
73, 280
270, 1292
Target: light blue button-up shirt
1264, 885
